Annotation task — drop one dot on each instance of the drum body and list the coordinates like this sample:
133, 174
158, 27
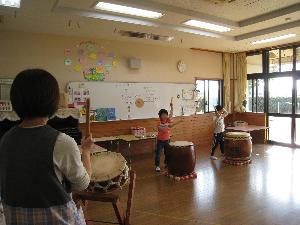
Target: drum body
180, 157
110, 172
238, 146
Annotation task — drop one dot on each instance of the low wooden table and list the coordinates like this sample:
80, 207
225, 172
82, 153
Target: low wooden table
248, 128
127, 138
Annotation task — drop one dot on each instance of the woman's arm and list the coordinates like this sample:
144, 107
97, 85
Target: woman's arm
86, 146
68, 163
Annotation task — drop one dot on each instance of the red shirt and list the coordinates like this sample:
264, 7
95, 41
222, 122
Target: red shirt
164, 130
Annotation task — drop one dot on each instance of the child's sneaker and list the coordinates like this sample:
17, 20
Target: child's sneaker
213, 158
157, 169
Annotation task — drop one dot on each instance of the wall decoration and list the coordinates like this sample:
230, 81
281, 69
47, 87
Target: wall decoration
68, 62
99, 63
67, 52
77, 68
187, 94
104, 114
108, 67
181, 66
92, 56
111, 55
80, 52
82, 60
92, 60
93, 74
115, 63
101, 114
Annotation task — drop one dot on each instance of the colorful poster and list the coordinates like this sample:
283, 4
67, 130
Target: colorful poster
111, 114
91, 60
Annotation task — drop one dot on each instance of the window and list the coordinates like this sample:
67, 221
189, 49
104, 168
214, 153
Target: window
256, 95
286, 60
280, 95
281, 60
254, 64
274, 61
209, 94
298, 58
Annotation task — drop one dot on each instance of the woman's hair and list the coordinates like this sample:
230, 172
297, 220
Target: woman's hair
218, 107
34, 93
163, 111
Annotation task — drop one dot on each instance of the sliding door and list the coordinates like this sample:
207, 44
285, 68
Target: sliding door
280, 108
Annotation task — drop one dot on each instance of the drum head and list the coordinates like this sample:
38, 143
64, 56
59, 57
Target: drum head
107, 165
181, 143
237, 134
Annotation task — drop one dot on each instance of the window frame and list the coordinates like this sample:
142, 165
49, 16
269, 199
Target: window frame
220, 93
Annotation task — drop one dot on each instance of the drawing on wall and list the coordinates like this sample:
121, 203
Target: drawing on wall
92, 61
139, 103
187, 94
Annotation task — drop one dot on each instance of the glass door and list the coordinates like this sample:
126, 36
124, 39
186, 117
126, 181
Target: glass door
297, 114
280, 108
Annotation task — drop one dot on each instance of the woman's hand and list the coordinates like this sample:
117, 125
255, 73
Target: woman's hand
87, 143
86, 146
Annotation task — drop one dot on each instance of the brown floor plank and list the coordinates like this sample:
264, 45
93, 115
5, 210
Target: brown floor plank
266, 192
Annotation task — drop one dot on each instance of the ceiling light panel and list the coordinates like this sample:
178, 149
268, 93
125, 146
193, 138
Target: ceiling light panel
282, 37
128, 10
10, 3
207, 26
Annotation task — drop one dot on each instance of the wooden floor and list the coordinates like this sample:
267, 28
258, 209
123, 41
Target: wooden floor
264, 192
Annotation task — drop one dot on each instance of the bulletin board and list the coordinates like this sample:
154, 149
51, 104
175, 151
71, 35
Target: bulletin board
133, 100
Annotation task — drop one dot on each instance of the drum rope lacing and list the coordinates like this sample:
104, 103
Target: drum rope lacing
237, 138
124, 176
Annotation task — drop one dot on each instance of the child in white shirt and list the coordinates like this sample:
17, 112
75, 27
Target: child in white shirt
219, 129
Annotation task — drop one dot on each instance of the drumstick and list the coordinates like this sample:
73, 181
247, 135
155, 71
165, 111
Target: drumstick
87, 118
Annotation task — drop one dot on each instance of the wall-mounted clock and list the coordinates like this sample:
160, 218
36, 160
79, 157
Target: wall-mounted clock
181, 66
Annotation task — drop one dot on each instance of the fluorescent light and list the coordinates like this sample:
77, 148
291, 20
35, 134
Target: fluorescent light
10, 3
273, 39
128, 10
207, 26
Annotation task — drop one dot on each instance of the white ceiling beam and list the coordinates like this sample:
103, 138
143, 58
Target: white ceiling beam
270, 30
271, 15
169, 8
130, 20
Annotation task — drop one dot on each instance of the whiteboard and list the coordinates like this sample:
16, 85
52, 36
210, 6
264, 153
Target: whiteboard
123, 96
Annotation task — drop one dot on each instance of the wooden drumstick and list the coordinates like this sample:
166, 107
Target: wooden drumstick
87, 118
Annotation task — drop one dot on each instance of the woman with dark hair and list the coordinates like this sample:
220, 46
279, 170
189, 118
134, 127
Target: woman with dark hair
35, 158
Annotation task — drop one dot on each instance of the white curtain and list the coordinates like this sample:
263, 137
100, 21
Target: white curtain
226, 82
240, 81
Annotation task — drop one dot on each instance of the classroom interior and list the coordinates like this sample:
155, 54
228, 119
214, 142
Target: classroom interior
131, 58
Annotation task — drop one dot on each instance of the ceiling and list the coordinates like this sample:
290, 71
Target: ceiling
249, 20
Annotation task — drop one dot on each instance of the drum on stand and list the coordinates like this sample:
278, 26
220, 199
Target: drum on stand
110, 172
238, 148
181, 158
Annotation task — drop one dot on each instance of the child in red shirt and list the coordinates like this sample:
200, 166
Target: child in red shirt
163, 137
